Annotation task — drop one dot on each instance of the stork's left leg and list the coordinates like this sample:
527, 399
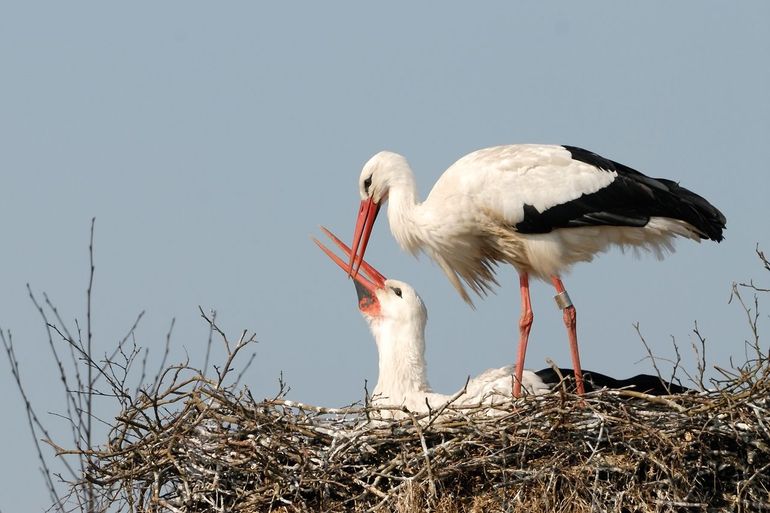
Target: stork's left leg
525, 324
570, 321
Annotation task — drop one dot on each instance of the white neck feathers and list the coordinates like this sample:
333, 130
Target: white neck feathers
404, 210
402, 367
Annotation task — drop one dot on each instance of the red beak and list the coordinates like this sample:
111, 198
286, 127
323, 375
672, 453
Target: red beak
367, 214
366, 283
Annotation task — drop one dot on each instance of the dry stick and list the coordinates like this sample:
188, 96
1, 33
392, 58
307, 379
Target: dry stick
242, 342
72, 402
214, 326
89, 338
32, 419
675, 367
89, 362
431, 482
762, 257
76, 399
598, 442
751, 285
110, 359
649, 351
143, 374
752, 319
649, 398
231, 353
209, 341
244, 369
742, 486
433, 416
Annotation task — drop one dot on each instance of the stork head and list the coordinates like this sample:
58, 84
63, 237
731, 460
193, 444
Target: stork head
398, 302
377, 176
381, 300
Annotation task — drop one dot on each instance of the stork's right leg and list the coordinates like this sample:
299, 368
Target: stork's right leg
525, 323
570, 321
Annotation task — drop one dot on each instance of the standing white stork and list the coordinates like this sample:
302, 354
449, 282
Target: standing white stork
540, 208
397, 317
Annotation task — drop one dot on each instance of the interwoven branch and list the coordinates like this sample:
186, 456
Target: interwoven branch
217, 449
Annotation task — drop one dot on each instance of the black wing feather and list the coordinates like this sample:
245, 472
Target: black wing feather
630, 200
644, 383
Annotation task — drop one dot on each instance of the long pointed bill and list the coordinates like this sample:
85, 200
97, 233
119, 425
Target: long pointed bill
367, 214
366, 282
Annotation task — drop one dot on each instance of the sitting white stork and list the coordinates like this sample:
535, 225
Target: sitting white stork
397, 316
540, 208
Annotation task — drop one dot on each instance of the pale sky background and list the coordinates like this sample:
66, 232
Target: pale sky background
210, 141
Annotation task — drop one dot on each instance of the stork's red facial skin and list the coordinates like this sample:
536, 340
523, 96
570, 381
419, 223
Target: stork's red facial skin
367, 215
367, 299
367, 282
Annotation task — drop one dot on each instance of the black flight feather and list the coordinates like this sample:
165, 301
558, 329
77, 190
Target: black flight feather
630, 200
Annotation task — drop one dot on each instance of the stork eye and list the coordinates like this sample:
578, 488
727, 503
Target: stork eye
396, 291
367, 184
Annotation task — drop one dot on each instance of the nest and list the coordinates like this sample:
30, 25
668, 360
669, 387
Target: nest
192, 443
200, 446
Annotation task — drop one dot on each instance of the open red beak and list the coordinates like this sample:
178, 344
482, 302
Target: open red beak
366, 283
367, 214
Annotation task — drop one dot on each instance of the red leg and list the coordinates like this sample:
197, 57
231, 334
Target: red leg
570, 321
525, 323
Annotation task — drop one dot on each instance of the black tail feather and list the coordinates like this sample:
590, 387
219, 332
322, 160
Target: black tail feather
697, 211
630, 201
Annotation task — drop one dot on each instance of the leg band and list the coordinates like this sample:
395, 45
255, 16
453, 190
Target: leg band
562, 300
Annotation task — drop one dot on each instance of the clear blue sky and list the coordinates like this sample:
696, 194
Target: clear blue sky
210, 142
